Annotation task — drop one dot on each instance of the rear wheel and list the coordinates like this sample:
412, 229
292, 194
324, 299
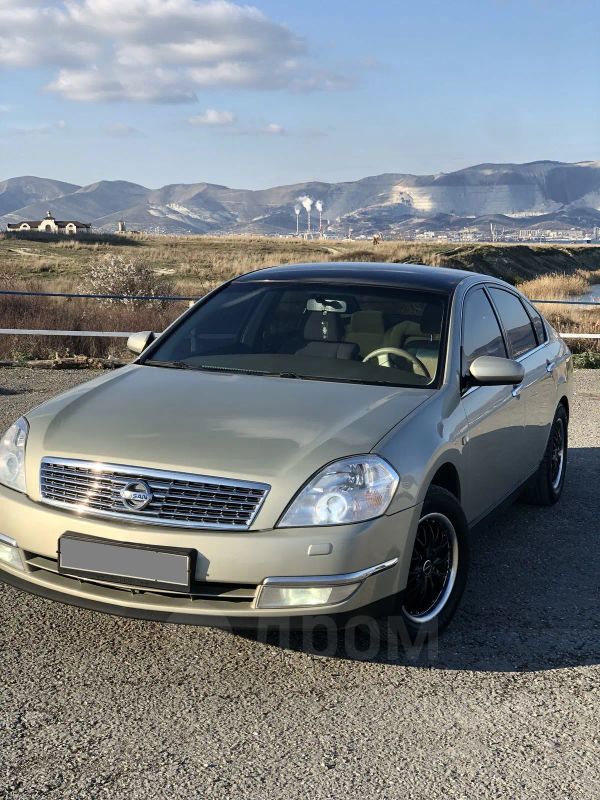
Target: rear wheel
439, 564
548, 482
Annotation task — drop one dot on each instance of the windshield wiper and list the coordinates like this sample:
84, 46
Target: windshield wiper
151, 362
217, 368
264, 373
236, 370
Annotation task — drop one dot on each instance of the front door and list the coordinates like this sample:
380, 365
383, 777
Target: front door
527, 341
494, 443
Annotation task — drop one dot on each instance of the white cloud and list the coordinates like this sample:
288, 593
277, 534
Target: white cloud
213, 117
120, 130
94, 85
273, 129
44, 129
155, 50
33, 130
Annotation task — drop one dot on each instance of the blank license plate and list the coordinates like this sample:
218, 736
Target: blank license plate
118, 562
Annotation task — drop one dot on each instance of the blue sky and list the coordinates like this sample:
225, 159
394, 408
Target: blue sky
161, 91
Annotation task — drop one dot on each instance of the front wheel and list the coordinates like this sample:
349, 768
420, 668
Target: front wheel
439, 564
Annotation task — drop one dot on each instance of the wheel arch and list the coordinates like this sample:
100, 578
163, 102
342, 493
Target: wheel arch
446, 476
564, 402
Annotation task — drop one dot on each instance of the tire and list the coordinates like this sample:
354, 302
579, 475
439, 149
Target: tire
547, 484
443, 530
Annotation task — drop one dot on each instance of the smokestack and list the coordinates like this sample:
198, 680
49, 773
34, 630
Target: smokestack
319, 207
307, 204
297, 213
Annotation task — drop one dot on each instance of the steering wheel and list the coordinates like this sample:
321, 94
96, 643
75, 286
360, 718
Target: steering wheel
382, 353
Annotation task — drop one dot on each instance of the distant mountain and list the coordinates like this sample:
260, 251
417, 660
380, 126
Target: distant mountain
87, 203
17, 193
551, 193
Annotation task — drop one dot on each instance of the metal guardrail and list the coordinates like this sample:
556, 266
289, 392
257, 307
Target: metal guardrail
568, 302
76, 295
179, 299
160, 298
184, 299
572, 303
580, 335
126, 334
84, 334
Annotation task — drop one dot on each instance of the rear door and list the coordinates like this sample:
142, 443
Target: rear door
527, 342
494, 445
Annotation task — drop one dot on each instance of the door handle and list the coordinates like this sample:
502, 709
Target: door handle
516, 392
550, 366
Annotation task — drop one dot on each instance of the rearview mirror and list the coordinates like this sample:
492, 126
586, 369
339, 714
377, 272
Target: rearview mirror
337, 306
138, 342
493, 371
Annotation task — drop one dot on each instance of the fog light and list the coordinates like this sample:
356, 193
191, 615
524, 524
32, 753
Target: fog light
304, 596
10, 553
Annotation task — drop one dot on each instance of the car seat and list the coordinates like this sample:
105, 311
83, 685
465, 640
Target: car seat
366, 329
323, 337
426, 345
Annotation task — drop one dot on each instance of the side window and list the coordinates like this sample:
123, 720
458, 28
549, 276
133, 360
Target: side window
481, 332
538, 322
516, 322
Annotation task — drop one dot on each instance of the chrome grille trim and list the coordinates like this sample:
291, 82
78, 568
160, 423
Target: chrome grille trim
179, 499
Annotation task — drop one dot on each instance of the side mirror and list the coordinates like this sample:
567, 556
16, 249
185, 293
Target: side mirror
493, 371
138, 342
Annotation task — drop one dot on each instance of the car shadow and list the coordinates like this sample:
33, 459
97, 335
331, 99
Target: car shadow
532, 601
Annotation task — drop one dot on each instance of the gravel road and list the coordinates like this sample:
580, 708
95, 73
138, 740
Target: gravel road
504, 706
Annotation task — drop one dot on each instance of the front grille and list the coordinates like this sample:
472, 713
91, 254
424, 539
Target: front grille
178, 499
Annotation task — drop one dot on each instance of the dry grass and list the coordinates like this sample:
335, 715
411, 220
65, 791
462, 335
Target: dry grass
201, 261
196, 264
575, 320
75, 314
568, 319
559, 286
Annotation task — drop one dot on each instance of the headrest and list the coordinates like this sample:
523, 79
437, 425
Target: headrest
366, 322
431, 321
323, 327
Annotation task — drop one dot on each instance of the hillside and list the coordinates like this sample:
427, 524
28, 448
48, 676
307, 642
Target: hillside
546, 194
16, 193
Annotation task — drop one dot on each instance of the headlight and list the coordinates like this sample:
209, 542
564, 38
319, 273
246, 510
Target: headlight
351, 490
12, 456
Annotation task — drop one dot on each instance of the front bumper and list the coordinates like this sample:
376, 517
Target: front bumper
231, 568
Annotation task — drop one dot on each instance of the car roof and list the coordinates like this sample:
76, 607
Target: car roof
407, 276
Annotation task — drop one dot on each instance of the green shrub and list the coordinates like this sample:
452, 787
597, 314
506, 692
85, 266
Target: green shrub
586, 360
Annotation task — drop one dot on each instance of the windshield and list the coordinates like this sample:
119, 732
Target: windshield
325, 331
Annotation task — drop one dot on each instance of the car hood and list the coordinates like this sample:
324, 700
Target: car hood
267, 429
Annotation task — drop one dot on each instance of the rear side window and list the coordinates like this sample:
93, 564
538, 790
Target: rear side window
481, 332
516, 322
537, 321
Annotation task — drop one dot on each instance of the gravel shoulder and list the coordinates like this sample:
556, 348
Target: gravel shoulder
505, 705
